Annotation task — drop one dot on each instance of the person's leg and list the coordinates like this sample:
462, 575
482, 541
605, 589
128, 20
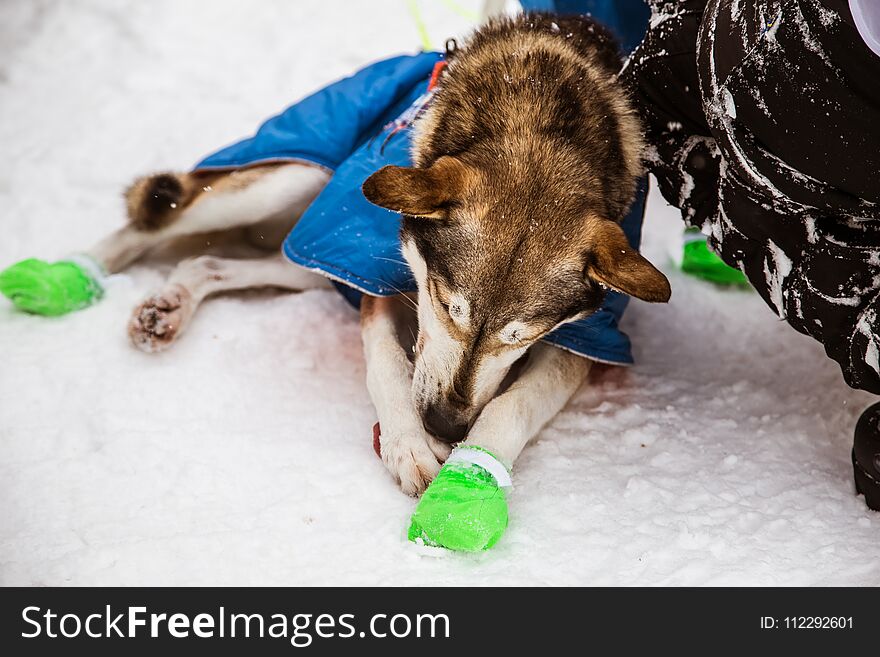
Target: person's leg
866, 456
789, 93
662, 78
627, 19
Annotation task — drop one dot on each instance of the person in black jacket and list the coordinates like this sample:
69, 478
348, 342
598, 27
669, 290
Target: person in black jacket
763, 119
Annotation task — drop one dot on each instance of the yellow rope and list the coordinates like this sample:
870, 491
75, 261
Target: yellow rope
413, 7
464, 12
422, 28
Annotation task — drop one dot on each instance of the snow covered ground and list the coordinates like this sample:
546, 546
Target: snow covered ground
243, 455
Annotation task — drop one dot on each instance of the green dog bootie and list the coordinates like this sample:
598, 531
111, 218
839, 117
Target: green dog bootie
57, 288
465, 507
697, 260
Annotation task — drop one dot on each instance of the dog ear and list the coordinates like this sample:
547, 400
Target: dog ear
421, 192
614, 263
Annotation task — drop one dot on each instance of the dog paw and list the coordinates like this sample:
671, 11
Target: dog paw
159, 320
441, 449
411, 462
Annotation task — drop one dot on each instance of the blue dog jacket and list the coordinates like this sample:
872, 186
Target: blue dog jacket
344, 128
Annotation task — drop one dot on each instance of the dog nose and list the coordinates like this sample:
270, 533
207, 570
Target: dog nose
437, 424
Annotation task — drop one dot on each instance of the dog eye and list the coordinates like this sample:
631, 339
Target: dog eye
514, 333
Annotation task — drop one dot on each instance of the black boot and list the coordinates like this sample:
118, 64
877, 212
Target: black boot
866, 456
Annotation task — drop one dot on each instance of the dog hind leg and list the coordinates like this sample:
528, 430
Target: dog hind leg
267, 199
161, 318
167, 206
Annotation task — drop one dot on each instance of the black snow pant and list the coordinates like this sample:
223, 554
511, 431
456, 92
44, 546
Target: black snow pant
763, 120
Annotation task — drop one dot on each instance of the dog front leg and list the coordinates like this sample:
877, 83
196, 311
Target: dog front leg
509, 421
409, 453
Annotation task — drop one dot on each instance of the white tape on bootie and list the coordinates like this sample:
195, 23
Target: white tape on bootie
90, 266
485, 460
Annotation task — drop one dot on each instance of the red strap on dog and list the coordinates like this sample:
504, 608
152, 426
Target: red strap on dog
405, 119
435, 74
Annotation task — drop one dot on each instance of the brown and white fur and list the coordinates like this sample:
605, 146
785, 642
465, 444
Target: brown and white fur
525, 162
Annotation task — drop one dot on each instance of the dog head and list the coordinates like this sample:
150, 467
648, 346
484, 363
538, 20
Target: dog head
501, 258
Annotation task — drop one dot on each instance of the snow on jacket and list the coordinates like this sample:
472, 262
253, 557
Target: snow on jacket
764, 121
345, 127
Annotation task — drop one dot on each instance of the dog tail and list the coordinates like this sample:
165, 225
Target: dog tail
155, 201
